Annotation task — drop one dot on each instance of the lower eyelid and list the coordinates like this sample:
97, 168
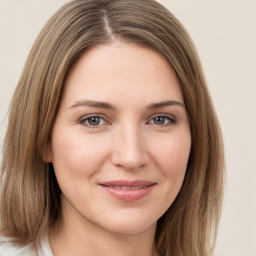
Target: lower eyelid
83, 121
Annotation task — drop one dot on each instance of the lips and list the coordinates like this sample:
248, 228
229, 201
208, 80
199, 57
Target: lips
128, 191
126, 187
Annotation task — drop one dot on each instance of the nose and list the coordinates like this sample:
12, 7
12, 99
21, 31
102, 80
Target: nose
129, 150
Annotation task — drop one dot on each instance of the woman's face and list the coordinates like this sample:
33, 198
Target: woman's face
121, 139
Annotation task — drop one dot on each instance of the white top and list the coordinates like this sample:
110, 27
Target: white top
10, 248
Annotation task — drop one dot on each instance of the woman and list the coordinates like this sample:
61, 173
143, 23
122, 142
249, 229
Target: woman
113, 146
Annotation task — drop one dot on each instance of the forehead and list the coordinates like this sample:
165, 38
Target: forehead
122, 70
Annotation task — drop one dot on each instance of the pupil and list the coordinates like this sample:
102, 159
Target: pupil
159, 120
94, 121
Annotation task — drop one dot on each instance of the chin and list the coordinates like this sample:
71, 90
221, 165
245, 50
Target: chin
131, 225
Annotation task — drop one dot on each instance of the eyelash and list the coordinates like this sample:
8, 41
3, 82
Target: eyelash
85, 120
171, 121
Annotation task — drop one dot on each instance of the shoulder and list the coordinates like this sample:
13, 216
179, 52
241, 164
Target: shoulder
11, 248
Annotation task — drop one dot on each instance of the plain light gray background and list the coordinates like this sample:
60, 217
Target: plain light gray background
225, 35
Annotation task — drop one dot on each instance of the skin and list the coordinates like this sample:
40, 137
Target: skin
133, 139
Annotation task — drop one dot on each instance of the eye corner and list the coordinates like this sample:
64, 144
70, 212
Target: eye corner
93, 121
162, 120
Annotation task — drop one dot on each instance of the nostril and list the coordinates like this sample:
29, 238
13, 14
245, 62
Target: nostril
129, 149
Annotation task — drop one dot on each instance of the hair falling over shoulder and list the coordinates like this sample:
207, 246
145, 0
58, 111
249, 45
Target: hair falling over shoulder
30, 195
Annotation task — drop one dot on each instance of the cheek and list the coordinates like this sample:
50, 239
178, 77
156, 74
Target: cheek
172, 157
174, 151
80, 155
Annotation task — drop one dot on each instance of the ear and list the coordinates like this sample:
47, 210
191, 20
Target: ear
47, 153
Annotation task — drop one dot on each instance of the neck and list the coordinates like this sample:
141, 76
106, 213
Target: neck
78, 236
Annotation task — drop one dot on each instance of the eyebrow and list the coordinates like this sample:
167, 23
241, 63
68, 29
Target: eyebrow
92, 103
165, 103
105, 105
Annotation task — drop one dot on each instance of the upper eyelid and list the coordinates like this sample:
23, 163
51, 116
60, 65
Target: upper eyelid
84, 117
162, 115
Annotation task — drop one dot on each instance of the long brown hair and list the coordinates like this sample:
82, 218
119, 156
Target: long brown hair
30, 196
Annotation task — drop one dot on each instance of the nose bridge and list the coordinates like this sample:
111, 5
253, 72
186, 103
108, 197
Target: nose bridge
129, 150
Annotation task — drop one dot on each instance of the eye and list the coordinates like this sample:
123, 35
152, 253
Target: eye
162, 120
93, 121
